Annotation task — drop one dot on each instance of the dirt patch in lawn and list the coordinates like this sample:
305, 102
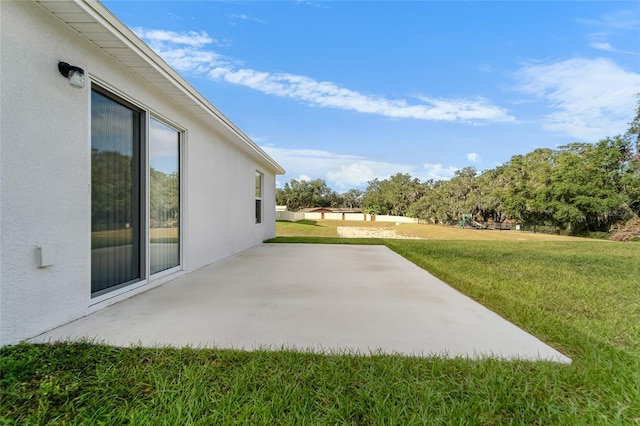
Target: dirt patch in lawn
362, 232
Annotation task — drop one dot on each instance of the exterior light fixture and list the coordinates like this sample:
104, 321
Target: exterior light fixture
73, 73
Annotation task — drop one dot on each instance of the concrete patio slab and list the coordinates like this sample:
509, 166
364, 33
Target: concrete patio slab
324, 298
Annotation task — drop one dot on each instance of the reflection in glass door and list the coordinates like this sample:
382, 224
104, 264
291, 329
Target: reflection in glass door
164, 197
122, 184
115, 194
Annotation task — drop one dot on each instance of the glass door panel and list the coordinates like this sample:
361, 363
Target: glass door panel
164, 197
115, 194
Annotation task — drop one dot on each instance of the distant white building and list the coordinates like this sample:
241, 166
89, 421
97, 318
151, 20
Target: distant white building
116, 174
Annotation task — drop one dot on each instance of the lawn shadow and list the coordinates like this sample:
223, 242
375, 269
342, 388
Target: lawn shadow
302, 222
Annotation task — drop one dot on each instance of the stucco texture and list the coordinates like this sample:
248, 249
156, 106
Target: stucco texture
45, 152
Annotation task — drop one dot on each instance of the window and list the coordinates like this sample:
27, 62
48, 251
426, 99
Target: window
135, 203
259, 179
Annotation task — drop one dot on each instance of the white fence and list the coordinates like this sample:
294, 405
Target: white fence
297, 216
398, 219
290, 216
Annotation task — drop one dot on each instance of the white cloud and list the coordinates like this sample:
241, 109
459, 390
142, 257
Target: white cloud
473, 157
185, 52
624, 19
591, 98
601, 45
316, 4
476, 109
615, 25
243, 17
352, 174
439, 172
304, 178
486, 68
327, 94
601, 41
188, 38
341, 171
607, 47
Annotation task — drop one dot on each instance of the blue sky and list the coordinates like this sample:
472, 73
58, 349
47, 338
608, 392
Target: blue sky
348, 91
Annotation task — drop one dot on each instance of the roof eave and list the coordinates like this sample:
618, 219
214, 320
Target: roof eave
103, 16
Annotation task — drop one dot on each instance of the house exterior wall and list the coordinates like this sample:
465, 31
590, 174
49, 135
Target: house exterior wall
45, 198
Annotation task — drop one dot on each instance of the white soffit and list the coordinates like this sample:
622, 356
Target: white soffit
98, 25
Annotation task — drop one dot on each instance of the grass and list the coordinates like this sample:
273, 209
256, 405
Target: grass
580, 296
329, 228
307, 228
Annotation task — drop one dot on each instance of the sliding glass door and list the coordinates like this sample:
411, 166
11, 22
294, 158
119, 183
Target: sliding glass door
127, 244
164, 196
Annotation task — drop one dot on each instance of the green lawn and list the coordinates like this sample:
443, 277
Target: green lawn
329, 228
582, 297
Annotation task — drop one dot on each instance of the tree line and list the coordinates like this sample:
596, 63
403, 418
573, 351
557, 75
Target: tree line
300, 194
576, 188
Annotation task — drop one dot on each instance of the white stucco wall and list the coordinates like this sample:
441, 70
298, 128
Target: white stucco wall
45, 175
